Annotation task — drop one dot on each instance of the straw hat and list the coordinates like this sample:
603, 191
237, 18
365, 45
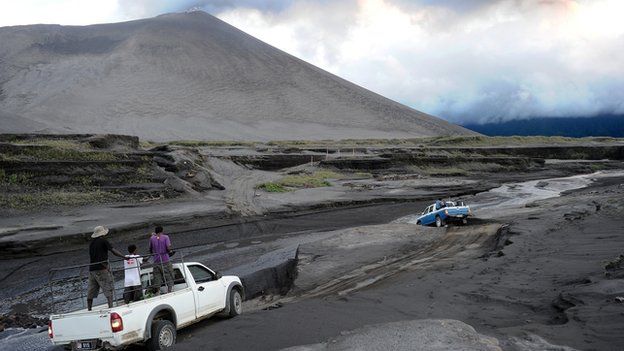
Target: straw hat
99, 231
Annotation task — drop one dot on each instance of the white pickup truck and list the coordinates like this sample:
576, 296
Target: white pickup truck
198, 293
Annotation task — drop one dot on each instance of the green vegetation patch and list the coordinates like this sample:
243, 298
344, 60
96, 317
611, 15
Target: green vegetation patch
52, 198
273, 187
326, 174
459, 141
512, 140
303, 181
213, 143
595, 167
148, 144
23, 178
347, 144
315, 180
59, 154
56, 143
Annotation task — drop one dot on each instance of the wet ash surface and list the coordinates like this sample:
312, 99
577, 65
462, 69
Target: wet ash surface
542, 278
548, 284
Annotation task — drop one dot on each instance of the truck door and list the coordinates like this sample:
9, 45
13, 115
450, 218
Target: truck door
209, 292
429, 218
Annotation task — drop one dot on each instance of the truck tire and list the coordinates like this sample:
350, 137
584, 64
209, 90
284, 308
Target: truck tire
439, 222
236, 303
163, 336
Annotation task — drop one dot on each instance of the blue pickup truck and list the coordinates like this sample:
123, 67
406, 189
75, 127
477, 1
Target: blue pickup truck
452, 212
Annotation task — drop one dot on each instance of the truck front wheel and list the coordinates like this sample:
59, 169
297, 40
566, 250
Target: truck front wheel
236, 303
163, 336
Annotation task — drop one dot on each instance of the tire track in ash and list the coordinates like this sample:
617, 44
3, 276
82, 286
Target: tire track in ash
454, 241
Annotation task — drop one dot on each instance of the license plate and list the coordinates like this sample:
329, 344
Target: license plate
85, 345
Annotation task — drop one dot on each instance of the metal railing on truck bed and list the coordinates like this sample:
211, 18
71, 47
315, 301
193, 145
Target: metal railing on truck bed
71, 282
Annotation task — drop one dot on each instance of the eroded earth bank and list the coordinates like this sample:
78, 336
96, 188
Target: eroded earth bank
322, 235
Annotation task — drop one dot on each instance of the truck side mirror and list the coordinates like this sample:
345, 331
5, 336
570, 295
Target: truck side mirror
218, 275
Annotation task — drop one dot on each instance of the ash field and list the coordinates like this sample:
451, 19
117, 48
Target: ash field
306, 186
323, 236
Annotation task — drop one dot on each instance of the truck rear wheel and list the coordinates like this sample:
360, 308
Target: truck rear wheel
163, 336
236, 303
439, 222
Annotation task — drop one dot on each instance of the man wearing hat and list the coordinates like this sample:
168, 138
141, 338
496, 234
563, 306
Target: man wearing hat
99, 274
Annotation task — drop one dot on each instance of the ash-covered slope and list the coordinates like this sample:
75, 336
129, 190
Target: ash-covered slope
184, 76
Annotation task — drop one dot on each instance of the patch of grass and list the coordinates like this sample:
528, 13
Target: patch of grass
315, 180
363, 175
326, 174
451, 141
60, 154
577, 155
56, 198
213, 143
56, 143
85, 181
511, 140
595, 167
303, 181
5, 156
143, 174
20, 178
147, 144
273, 187
113, 167
15, 178
347, 144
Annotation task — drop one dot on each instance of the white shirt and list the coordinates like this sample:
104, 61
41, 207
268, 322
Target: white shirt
132, 270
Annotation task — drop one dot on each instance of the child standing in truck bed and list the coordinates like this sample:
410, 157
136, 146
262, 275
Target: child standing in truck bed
133, 290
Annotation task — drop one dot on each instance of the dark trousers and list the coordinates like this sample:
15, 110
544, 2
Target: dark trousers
133, 293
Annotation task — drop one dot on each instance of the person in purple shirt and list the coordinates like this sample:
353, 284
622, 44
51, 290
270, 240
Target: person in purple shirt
160, 248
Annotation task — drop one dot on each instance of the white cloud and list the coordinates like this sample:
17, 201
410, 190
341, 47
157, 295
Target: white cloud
83, 12
75, 12
497, 60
